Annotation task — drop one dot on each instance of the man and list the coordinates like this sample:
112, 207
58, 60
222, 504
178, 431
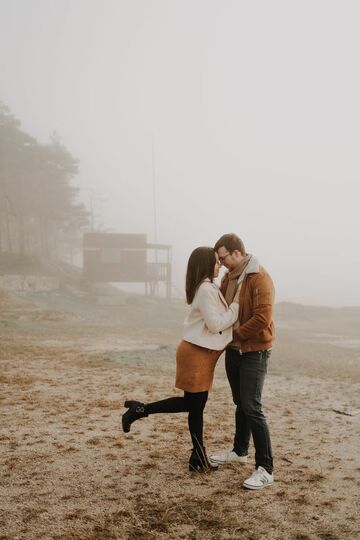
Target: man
247, 356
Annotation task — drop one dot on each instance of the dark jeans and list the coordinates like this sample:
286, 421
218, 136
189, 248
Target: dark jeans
246, 374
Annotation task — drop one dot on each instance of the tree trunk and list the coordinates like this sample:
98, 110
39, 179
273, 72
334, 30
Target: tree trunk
21, 237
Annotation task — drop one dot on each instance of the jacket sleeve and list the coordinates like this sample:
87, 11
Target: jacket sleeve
263, 300
208, 305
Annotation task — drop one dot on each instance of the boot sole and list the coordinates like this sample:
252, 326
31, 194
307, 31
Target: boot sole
201, 469
125, 426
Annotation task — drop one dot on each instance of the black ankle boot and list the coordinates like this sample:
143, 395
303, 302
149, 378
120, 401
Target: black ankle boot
136, 411
200, 462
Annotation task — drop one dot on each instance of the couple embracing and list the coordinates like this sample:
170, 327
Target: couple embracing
236, 318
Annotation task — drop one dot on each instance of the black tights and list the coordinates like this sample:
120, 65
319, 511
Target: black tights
193, 403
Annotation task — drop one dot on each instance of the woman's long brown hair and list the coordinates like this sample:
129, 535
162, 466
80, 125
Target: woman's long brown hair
200, 266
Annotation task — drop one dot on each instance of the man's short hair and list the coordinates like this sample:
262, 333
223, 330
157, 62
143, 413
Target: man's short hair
231, 242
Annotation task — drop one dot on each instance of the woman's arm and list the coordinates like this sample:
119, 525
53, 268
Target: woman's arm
208, 304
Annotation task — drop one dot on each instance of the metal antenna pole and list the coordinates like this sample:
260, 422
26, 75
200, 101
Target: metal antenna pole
154, 197
155, 283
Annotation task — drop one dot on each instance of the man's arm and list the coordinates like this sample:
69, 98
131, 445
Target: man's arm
263, 300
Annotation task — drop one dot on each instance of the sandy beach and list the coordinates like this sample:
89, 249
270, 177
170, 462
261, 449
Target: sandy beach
69, 472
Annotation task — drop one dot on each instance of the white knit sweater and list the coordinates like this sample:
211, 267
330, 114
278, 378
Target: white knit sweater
209, 321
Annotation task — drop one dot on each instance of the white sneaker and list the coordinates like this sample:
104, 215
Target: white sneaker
228, 457
259, 479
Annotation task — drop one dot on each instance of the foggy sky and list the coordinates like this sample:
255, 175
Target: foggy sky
253, 108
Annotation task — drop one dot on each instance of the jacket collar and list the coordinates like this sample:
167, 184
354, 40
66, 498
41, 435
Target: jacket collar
249, 266
253, 266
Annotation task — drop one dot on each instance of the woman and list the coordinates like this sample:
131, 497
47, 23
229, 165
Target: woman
207, 330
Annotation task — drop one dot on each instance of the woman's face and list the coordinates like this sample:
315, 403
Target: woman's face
217, 266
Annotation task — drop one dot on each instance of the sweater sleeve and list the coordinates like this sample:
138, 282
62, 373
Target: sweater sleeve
208, 304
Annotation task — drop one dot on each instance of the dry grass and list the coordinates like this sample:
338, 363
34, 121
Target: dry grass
68, 472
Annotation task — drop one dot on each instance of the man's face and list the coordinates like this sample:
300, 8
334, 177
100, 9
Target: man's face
229, 260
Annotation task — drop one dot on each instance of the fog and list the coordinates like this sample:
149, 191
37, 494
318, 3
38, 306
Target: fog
250, 110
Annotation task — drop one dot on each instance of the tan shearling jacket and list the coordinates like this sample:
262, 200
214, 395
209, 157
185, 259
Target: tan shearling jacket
254, 330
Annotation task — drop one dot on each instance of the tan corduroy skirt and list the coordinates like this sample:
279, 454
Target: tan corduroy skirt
195, 367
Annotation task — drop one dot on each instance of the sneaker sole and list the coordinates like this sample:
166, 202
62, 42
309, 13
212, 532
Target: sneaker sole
247, 486
218, 462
